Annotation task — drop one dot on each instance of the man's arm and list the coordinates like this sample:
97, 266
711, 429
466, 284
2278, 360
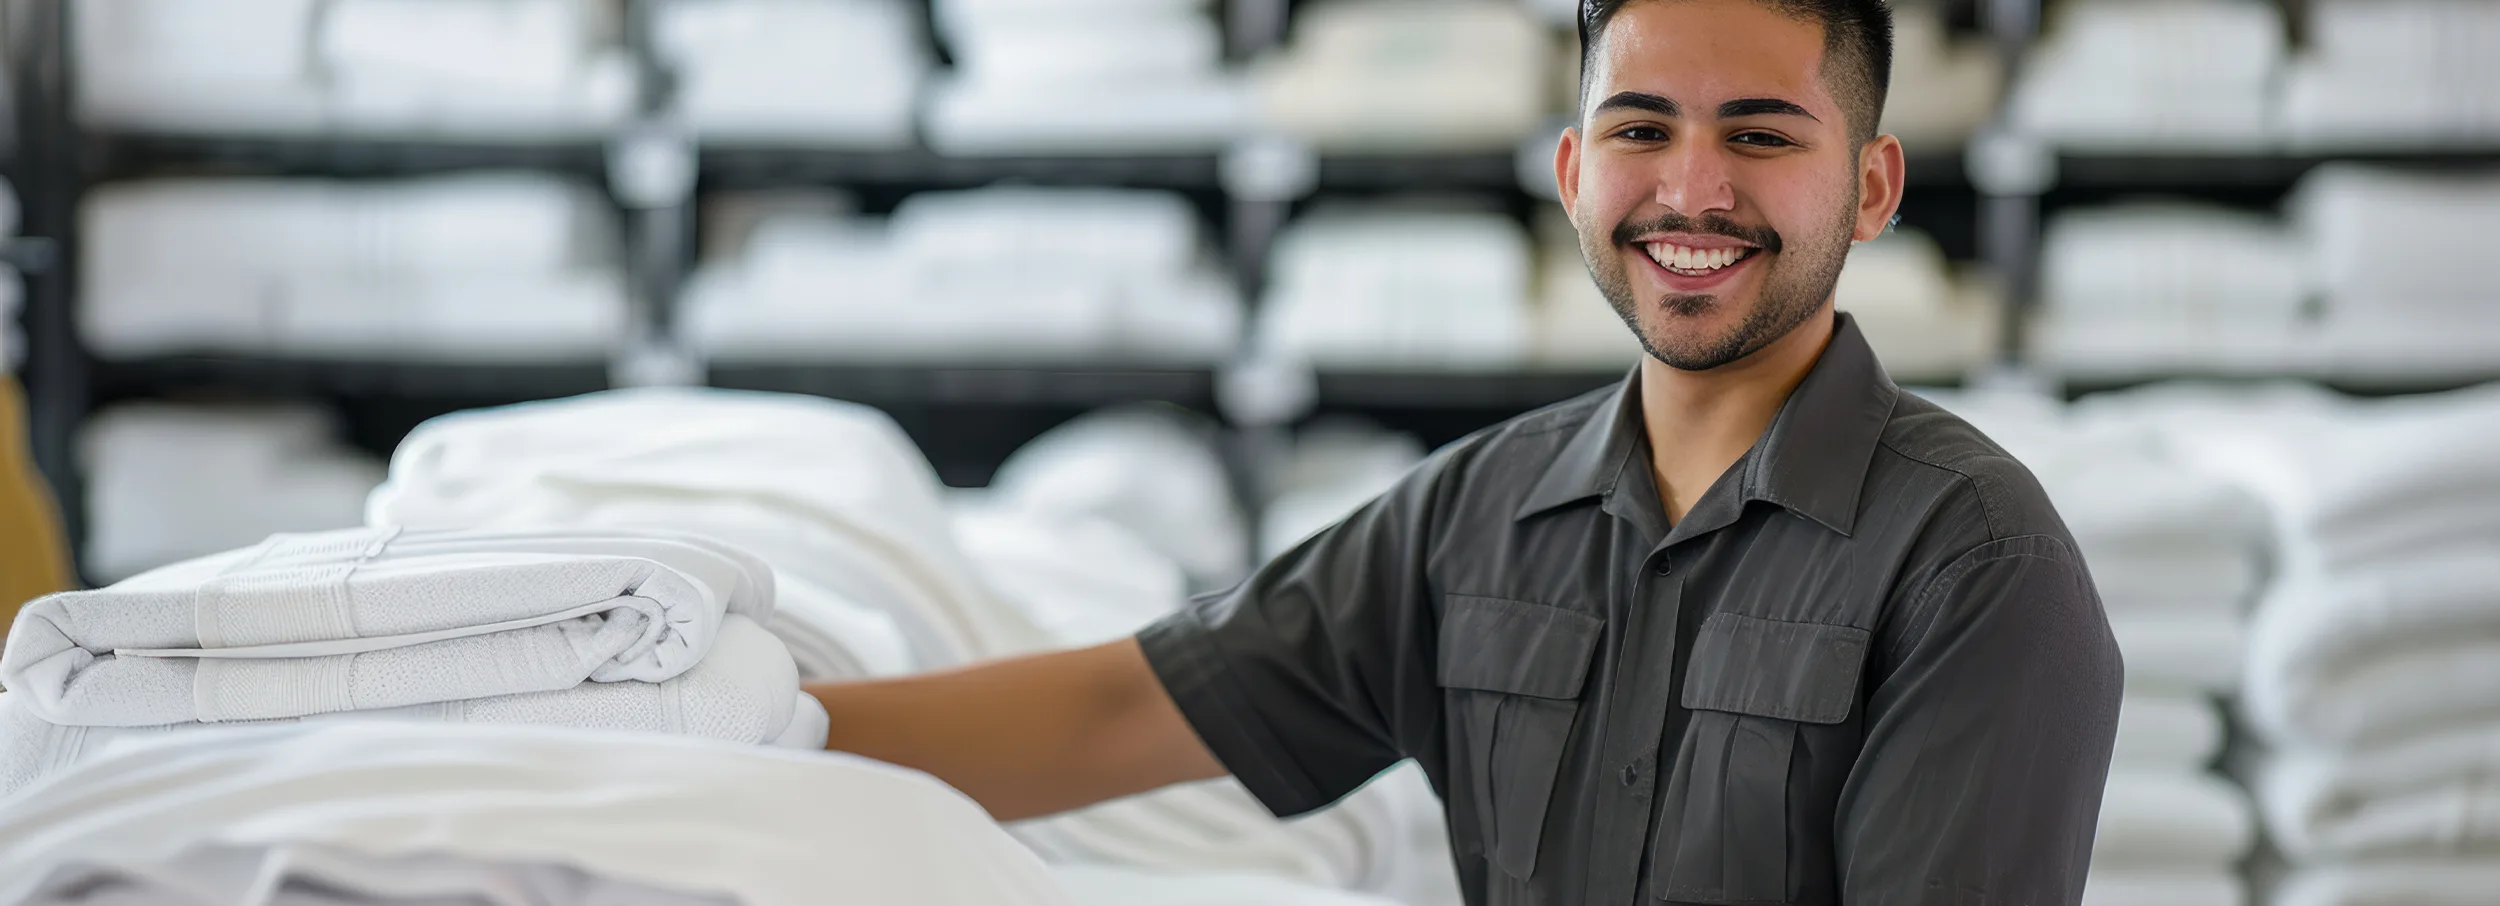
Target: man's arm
1026, 737
1988, 740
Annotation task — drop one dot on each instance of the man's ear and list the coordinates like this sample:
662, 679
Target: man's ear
1882, 171
1567, 168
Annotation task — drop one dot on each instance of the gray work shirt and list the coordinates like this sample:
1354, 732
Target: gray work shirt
1868, 667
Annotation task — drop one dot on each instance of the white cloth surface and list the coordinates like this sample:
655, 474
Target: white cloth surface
1152, 471
365, 618
808, 727
2174, 887
1949, 86
1081, 579
1398, 288
2428, 794
1095, 885
1915, 316
843, 73
767, 827
2417, 882
272, 469
2167, 731
830, 493
2182, 652
2153, 73
1335, 468
2395, 74
1077, 47
2358, 655
2384, 233
745, 692
1388, 75
2171, 819
246, 64
290, 875
975, 117
2174, 260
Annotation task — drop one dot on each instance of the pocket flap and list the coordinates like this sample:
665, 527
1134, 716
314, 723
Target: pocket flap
1516, 647
1804, 672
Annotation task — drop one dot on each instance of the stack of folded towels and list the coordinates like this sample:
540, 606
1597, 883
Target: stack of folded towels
500, 70
170, 482
1946, 86
601, 630
2165, 288
820, 73
2176, 556
1013, 274
1084, 76
2168, 75
1410, 75
1923, 322
2410, 286
477, 267
2395, 75
1335, 468
876, 577
2370, 669
1398, 288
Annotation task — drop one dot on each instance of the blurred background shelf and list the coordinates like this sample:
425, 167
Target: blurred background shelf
934, 385
107, 154
259, 378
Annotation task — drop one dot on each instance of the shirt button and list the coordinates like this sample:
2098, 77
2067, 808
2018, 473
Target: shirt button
1665, 567
1631, 775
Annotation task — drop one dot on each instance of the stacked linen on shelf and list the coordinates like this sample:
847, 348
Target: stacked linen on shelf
2395, 75
1410, 75
2411, 288
2158, 288
1084, 77
1923, 323
1575, 326
841, 73
875, 576
1948, 86
605, 630
1335, 468
172, 482
480, 267
1016, 274
1398, 288
2370, 666
494, 70
756, 825
2169, 75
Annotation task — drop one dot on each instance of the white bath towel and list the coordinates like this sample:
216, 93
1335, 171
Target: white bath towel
2403, 882
1153, 471
172, 65
768, 827
977, 117
1398, 288
1107, 231
2171, 819
2423, 795
2217, 886
365, 618
2393, 234
1077, 48
1381, 75
475, 222
2395, 74
2158, 731
1096, 885
1083, 580
843, 74
745, 692
2355, 656
2174, 260
2136, 74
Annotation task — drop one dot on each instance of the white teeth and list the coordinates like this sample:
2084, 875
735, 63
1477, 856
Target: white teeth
1691, 259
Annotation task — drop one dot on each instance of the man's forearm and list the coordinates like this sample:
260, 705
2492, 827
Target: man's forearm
1026, 737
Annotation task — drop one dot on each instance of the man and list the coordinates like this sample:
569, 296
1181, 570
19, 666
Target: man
1753, 627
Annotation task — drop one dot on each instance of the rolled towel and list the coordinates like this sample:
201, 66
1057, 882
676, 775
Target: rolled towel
763, 826
2167, 732
2178, 887
2177, 819
745, 692
377, 618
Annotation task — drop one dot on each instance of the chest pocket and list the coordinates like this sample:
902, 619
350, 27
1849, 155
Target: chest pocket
1513, 672
1753, 686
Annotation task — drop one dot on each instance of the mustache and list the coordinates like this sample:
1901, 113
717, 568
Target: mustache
1712, 224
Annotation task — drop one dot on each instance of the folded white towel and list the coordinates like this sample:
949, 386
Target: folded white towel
2424, 795
979, 117
765, 827
1079, 48
1398, 288
2355, 656
2404, 882
2167, 731
826, 73
746, 691
2395, 234
1410, 75
509, 45
2172, 887
2180, 652
2134, 74
376, 618
176, 64
474, 222
2165, 820
1109, 231
2174, 260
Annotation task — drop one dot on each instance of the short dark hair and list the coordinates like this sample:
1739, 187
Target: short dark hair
1857, 38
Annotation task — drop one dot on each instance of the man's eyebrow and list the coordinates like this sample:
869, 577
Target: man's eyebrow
1744, 107
1635, 100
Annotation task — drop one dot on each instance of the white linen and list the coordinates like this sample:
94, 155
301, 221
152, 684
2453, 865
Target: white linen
745, 692
1096, 885
275, 468
2395, 75
767, 827
842, 73
2154, 73
1152, 471
2174, 260
979, 117
288, 875
2420, 795
180, 64
1920, 323
2171, 819
364, 618
2355, 656
2167, 731
2416, 882
2174, 887
1949, 86
1398, 288
1390, 75
2377, 232
2181, 652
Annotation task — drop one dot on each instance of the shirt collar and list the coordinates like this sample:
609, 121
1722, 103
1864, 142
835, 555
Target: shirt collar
1812, 461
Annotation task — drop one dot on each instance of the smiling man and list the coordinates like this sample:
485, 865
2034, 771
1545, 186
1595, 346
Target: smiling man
1753, 627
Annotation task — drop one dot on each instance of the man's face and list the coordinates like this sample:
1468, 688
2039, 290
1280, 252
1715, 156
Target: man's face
1713, 179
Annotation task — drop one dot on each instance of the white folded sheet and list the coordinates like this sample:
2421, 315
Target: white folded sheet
1398, 288
1387, 75
2182, 652
376, 618
2167, 731
2422, 795
842, 74
2357, 656
767, 827
2218, 886
746, 692
289, 875
2135, 74
2171, 819
2392, 233
2174, 260
2413, 882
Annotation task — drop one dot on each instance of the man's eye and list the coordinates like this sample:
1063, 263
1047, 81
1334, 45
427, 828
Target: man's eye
1643, 134
1761, 140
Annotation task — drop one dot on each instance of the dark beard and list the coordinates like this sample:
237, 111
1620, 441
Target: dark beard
1791, 293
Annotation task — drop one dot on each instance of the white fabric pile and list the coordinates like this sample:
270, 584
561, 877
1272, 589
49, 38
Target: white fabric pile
2176, 556
1410, 75
1150, 469
171, 482
839, 73
1014, 274
1922, 321
1084, 76
2395, 75
290, 874
1335, 468
484, 267
2165, 288
1944, 88
1398, 288
481, 70
876, 576
2165, 75
603, 630
2410, 287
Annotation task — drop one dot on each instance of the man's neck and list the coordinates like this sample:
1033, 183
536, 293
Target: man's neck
1700, 422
